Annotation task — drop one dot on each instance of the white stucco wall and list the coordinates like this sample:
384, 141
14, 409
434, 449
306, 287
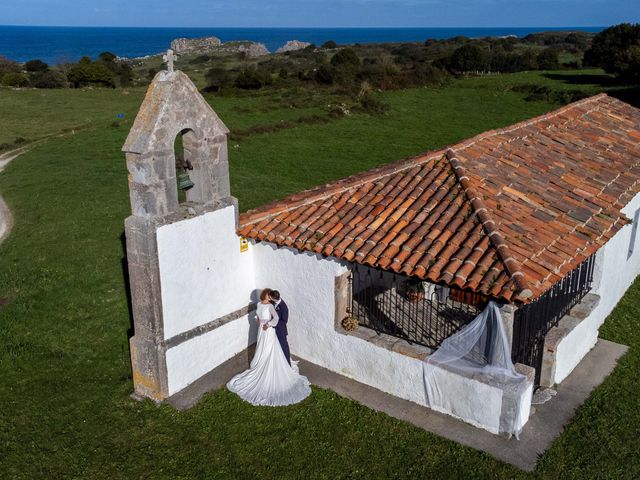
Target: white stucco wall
614, 273
474, 402
194, 358
307, 282
203, 275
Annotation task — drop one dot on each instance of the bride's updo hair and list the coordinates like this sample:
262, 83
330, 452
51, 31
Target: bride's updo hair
264, 294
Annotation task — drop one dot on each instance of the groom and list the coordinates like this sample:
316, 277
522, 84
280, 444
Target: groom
281, 328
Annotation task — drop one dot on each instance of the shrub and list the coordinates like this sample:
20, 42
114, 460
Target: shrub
371, 105
345, 57
217, 78
409, 53
252, 79
7, 66
200, 59
427, 74
86, 73
48, 79
15, 79
617, 51
329, 44
36, 66
324, 75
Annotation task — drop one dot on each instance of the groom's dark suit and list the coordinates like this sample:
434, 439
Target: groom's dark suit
281, 329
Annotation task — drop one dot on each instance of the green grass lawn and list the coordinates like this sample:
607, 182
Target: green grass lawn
65, 410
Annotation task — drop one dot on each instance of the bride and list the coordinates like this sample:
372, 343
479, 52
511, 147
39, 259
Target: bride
269, 380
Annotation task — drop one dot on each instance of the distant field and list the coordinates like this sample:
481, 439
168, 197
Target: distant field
65, 410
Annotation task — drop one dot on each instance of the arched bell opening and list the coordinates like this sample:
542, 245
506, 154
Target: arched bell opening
183, 148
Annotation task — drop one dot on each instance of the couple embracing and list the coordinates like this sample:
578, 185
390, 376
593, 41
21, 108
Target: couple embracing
271, 378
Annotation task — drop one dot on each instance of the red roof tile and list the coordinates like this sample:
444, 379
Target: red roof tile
506, 213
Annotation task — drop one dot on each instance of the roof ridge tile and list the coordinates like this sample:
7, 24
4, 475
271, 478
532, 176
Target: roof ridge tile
511, 264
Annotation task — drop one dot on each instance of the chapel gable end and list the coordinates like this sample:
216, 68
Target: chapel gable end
174, 109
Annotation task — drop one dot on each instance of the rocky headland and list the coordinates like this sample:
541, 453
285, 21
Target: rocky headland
292, 46
184, 46
214, 46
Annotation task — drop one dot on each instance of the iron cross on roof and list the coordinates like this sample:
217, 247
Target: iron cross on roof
169, 59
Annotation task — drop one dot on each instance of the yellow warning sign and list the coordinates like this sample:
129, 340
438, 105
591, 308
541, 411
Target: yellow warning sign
244, 244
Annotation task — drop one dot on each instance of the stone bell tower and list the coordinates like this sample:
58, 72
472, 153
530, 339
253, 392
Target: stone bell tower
172, 107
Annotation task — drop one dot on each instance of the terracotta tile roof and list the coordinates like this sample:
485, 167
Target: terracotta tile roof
507, 213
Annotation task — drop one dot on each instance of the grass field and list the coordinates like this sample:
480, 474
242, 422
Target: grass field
65, 410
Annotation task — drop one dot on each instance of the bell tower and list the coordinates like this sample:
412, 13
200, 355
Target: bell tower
172, 106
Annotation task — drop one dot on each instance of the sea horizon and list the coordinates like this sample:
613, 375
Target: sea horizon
59, 44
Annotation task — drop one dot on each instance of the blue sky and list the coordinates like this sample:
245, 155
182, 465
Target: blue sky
319, 13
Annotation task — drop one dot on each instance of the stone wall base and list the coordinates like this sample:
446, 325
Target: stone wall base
556, 335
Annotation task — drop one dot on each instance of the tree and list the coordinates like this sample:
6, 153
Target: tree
548, 59
120, 69
527, 61
107, 57
36, 66
469, 58
343, 69
617, 51
329, 44
124, 73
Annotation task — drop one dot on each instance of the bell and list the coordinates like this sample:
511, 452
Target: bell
184, 182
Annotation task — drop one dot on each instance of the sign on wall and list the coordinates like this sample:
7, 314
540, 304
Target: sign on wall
244, 244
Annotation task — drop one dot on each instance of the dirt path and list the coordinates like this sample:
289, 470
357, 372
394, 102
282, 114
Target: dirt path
6, 219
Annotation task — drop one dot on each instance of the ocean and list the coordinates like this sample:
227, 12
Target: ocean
64, 44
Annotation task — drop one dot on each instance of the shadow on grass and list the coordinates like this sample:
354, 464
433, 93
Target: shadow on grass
601, 80
613, 86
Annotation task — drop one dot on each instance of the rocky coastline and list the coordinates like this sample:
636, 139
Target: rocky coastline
216, 47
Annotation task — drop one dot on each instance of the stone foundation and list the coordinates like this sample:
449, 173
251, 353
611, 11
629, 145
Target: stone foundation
557, 335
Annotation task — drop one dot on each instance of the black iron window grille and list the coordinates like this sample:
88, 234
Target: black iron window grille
403, 307
533, 321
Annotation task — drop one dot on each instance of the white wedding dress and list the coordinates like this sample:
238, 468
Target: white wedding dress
270, 380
